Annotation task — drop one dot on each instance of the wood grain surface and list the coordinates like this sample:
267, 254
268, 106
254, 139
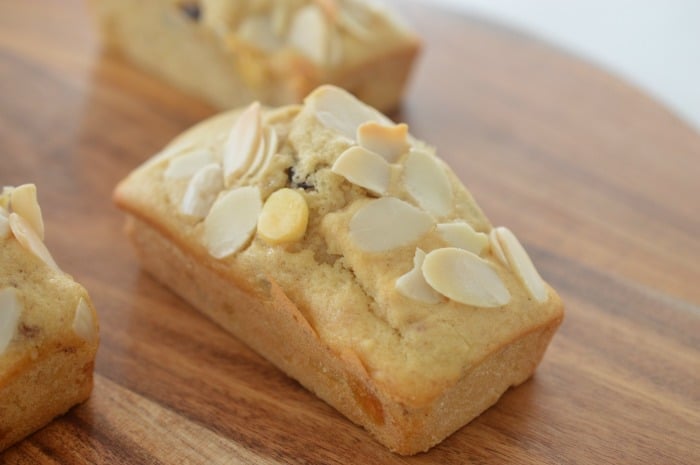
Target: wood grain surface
598, 180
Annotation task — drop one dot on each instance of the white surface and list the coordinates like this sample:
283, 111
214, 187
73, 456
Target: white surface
654, 44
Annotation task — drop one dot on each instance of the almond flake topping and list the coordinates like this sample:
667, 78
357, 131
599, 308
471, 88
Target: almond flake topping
84, 324
521, 263
284, 217
388, 141
308, 33
202, 190
23, 202
426, 180
364, 168
414, 286
260, 32
4, 224
386, 223
339, 110
25, 235
10, 309
463, 236
232, 221
266, 150
242, 144
465, 278
496, 248
188, 164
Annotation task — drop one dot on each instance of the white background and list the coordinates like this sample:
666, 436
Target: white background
654, 44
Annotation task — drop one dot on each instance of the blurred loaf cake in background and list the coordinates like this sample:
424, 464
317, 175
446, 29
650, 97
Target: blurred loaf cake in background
231, 52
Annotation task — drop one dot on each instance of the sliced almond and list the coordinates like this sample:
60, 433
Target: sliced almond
25, 235
232, 221
260, 32
340, 111
386, 223
242, 143
84, 324
364, 168
388, 141
10, 310
284, 217
463, 236
496, 248
5, 195
426, 181
4, 224
265, 151
202, 190
465, 278
308, 33
353, 25
521, 263
188, 164
23, 201
414, 286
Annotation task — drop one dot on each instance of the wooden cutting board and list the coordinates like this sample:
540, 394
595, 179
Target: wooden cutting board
599, 181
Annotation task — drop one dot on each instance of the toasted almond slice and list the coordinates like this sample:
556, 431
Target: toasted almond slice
386, 223
10, 310
521, 263
242, 143
463, 236
84, 324
202, 190
232, 221
426, 180
340, 111
364, 168
259, 31
25, 235
388, 141
414, 286
465, 278
4, 224
284, 217
353, 25
496, 248
308, 33
266, 150
23, 201
5, 195
188, 164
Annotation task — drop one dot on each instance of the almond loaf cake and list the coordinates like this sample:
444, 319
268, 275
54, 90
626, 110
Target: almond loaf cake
231, 52
343, 250
48, 326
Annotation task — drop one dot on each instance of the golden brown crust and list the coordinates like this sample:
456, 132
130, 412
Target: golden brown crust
261, 319
227, 71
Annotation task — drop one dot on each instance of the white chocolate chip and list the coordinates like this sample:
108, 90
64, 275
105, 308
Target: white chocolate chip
386, 223
26, 236
388, 141
340, 111
308, 33
84, 322
463, 236
4, 224
188, 164
284, 217
364, 168
521, 263
242, 143
232, 221
413, 284
426, 181
10, 310
202, 190
465, 278
23, 201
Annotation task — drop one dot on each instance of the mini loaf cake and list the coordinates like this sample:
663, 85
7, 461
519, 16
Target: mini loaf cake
346, 252
231, 52
48, 326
